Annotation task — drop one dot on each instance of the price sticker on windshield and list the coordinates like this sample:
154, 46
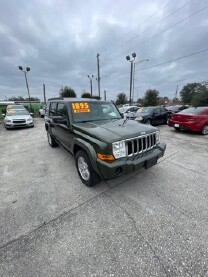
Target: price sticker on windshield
81, 107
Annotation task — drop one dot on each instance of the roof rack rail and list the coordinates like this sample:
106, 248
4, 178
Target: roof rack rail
56, 98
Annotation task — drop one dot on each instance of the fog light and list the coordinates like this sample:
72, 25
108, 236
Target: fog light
118, 170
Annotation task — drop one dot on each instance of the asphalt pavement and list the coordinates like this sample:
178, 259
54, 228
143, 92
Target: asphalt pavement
149, 223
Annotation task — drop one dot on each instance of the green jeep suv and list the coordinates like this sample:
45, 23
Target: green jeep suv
104, 144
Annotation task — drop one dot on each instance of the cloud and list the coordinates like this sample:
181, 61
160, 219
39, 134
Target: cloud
59, 40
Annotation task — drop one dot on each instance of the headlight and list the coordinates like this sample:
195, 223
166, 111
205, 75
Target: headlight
29, 119
139, 118
158, 137
8, 120
119, 149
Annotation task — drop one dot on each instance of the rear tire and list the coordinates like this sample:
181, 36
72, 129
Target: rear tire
51, 140
204, 130
85, 170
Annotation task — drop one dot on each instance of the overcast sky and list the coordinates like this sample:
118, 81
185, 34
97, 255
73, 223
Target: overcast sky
59, 41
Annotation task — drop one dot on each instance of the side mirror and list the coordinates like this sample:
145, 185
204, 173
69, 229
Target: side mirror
3, 115
31, 114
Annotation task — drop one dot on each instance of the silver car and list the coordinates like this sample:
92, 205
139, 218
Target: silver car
18, 118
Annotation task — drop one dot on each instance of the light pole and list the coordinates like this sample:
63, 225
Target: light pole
90, 83
25, 72
128, 58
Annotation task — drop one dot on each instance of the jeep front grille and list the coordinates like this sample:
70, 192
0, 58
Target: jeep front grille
140, 144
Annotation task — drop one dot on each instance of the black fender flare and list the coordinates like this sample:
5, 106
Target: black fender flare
87, 147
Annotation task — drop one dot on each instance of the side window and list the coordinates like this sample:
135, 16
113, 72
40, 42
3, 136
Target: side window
163, 110
62, 110
135, 109
52, 110
157, 110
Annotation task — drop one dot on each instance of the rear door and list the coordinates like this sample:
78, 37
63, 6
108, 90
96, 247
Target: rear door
156, 119
164, 114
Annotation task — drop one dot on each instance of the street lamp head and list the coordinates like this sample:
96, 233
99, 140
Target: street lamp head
20, 67
88, 76
134, 55
27, 68
92, 76
128, 58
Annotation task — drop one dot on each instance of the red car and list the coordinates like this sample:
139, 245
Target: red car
194, 119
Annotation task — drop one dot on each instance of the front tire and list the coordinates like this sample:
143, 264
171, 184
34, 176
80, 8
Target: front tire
51, 140
85, 170
177, 129
204, 130
148, 122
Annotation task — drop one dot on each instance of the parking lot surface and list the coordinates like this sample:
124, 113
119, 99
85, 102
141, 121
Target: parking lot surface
149, 223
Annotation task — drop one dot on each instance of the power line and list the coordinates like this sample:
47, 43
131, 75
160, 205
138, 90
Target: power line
156, 65
176, 59
116, 41
177, 10
171, 26
162, 84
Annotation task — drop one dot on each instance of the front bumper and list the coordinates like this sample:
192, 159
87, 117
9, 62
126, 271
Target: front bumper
18, 125
125, 166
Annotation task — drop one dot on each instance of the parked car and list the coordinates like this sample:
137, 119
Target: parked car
128, 109
42, 111
17, 119
150, 115
104, 144
175, 109
194, 119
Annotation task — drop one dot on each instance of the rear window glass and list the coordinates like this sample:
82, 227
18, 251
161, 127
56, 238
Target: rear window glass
193, 110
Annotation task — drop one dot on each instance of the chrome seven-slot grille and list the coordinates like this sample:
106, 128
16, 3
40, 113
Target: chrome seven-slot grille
140, 144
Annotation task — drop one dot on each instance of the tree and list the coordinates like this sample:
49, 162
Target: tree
67, 92
151, 97
140, 101
164, 100
96, 97
16, 98
121, 99
200, 98
86, 95
188, 92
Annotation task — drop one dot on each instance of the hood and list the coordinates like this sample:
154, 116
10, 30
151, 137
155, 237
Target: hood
12, 117
110, 131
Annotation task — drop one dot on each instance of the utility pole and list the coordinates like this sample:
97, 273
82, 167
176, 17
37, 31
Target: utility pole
25, 73
176, 94
98, 72
105, 95
90, 84
133, 83
44, 94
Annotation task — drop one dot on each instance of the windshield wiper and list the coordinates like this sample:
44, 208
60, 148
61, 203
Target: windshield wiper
115, 119
125, 121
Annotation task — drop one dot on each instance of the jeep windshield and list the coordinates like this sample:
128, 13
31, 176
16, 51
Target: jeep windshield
94, 111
